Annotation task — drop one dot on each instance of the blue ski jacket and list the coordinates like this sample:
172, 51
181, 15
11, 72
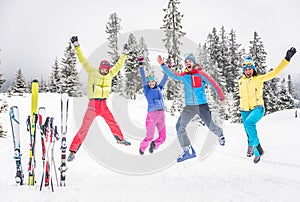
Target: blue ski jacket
153, 95
194, 84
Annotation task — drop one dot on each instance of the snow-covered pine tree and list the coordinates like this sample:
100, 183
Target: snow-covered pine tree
233, 74
55, 82
132, 81
172, 27
285, 100
19, 86
69, 74
290, 86
143, 51
274, 105
113, 28
43, 85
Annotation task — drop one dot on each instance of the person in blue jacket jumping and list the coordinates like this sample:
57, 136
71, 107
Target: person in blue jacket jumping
194, 80
155, 116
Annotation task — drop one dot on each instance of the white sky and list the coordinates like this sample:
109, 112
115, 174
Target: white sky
35, 32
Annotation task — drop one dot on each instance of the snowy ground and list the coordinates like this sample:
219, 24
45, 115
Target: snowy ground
226, 175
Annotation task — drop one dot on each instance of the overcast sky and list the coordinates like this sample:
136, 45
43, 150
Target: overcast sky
35, 32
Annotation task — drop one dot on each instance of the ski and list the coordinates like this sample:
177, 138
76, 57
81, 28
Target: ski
64, 119
15, 127
31, 127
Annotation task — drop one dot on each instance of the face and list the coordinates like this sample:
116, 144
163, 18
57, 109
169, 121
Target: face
151, 83
189, 64
103, 71
248, 72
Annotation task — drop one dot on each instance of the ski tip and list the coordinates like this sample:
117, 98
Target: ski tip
35, 80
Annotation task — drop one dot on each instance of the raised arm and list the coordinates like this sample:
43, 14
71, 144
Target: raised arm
163, 81
83, 61
143, 76
167, 70
282, 65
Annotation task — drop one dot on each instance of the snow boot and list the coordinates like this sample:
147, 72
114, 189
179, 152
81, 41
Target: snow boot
222, 140
250, 151
257, 158
141, 152
187, 155
124, 142
152, 146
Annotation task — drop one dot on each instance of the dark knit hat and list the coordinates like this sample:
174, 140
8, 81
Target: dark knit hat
190, 57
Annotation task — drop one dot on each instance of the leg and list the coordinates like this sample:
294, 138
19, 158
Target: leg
89, 116
109, 119
187, 114
161, 127
205, 115
150, 127
250, 125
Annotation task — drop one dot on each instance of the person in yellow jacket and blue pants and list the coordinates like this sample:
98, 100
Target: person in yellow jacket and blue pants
251, 99
98, 89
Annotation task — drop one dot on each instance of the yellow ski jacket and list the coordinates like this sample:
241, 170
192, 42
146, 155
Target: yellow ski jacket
251, 89
99, 86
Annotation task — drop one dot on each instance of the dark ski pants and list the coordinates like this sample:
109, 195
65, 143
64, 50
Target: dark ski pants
250, 119
187, 114
96, 107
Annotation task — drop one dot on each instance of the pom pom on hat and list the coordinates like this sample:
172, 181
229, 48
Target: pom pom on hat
248, 63
104, 64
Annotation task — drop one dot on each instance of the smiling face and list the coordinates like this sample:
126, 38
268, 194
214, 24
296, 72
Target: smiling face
103, 71
248, 72
189, 64
151, 83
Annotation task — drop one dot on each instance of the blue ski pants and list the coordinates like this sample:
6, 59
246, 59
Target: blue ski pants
250, 119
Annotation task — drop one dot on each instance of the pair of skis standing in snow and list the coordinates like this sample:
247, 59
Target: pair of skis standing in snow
194, 80
48, 136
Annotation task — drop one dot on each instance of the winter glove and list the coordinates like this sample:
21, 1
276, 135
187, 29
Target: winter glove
74, 41
290, 53
141, 60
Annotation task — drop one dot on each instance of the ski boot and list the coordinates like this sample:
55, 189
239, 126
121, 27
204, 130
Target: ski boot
187, 155
71, 156
152, 146
222, 140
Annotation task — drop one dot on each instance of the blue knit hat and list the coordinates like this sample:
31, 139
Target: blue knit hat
190, 56
150, 78
248, 63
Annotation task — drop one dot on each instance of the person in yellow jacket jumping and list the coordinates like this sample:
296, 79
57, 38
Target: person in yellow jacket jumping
251, 99
98, 88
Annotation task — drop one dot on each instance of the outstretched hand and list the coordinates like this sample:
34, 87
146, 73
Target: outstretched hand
74, 41
160, 60
290, 53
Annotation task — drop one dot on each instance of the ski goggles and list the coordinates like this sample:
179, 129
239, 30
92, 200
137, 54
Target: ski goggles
105, 63
249, 64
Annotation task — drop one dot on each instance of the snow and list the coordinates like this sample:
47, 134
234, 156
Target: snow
225, 175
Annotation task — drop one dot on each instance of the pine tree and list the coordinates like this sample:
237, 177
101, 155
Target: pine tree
173, 31
132, 76
19, 86
55, 78
233, 74
285, 100
291, 89
143, 51
69, 74
43, 87
113, 28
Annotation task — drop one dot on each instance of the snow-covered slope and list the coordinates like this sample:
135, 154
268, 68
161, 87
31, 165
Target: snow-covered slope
225, 175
